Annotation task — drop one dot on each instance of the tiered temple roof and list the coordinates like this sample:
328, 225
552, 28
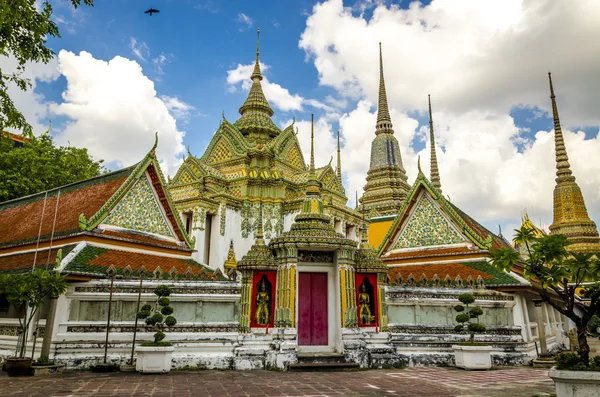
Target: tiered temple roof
124, 220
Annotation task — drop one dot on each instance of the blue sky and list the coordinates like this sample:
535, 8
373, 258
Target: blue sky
484, 63
201, 40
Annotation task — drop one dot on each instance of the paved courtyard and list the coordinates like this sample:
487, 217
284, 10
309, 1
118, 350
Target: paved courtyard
410, 382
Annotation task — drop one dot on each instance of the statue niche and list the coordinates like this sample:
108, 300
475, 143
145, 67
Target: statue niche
264, 296
366, 303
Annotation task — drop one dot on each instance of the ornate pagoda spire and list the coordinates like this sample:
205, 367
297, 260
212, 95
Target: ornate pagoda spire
384, 121
387, 184
570, 214
256, 111
313, 190
435, 174
338, 170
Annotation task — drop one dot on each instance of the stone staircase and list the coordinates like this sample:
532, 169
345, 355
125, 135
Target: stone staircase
319, 362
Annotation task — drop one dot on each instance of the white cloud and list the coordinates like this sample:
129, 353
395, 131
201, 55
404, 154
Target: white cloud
479, 60
31, 103
140, 50
278, 96
179, 109
160, 61
244, 20
115, 111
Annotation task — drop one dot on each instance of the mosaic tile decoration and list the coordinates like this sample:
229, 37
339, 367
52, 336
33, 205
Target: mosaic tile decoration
427, 226
139, 210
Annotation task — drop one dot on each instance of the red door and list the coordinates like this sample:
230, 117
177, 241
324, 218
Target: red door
312, 309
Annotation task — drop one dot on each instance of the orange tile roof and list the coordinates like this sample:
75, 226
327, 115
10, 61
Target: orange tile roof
20, 218
481, 231
490, 275
96, 260
442, 270
428, 253
21, 263
137, 237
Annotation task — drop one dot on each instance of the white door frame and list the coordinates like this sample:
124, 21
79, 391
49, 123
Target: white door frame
334, 342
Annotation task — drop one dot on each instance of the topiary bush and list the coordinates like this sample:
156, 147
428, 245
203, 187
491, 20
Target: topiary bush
468, 317
159, 315
572, 361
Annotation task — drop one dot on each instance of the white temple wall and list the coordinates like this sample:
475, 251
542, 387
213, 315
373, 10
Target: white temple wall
205, 335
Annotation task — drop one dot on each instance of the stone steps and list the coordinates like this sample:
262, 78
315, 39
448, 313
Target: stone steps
320, 362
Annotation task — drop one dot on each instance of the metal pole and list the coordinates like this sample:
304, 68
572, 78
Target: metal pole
137, 309
112, 280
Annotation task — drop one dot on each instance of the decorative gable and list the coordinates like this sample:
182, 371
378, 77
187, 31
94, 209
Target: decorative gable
139, 210
427, 226
220, 152
294, 157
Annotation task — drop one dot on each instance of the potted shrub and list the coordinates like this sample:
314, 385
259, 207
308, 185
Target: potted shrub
155, 356
470, 355
567, 281
26, 292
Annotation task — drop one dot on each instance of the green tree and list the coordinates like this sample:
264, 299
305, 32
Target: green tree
39, 166
27, 292
559, 275
25, 26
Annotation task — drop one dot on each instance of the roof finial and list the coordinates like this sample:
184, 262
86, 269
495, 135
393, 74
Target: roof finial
339, 159
356, 200
384, 121
563, 168
419, 164
435, 173
256, 73
312, 144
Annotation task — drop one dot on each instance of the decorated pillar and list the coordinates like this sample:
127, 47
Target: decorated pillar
347, 289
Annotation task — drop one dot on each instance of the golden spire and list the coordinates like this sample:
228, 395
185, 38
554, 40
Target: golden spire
570, 214
339, 159
563, 168
384, 121
435, 174
312, 144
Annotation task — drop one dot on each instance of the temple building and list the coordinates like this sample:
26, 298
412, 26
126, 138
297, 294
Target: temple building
248, 164
269, 266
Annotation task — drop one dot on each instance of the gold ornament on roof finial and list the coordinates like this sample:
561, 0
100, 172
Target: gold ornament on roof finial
258, 41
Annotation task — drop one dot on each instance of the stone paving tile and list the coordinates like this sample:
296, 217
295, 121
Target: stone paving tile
410, 382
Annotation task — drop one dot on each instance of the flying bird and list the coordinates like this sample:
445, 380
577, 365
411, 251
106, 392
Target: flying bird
150, 11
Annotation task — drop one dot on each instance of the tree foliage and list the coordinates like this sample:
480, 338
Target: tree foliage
29, 291
154, 315
560, 275
40, 165
468, 317
25, 26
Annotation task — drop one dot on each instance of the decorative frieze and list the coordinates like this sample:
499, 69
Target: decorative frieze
186, 289
197, 328
315, 256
